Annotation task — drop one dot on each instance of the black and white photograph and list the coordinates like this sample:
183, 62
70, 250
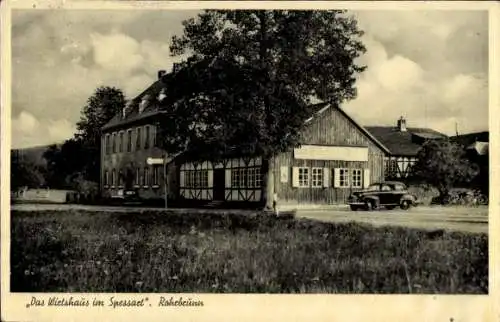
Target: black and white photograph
247, 151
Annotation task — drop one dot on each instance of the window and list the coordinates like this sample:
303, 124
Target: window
120, 178
146, 139
196, 179
106, 178
344, 177
391, 167
107, 144
138, 139
137, 176
114, 142
156, 136
258, 178
317, 177
129, 140
156, 176
356, 178
146, 177
303, 177
386, 188
120, 144
113, 177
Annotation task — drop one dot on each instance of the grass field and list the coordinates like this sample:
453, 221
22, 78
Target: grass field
167, 252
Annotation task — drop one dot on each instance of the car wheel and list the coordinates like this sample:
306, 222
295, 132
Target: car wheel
405, 204
368, 205
354, 208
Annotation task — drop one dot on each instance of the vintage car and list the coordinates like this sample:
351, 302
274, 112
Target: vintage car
389, 194
126, 196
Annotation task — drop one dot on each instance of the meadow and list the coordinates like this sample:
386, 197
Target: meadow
79, 251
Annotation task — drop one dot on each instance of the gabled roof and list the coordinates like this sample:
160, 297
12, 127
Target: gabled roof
404, 143
322, 107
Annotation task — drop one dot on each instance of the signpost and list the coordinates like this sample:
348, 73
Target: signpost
156, 161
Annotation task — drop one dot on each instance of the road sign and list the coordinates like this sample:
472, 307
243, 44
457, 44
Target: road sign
152, 161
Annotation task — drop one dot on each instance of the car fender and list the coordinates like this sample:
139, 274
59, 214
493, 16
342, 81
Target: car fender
370, 197
408, 197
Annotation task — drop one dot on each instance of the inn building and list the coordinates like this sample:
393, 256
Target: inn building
337, 156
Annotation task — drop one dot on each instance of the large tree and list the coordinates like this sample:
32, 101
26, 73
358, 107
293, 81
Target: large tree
101, 107
444, 165
250, 77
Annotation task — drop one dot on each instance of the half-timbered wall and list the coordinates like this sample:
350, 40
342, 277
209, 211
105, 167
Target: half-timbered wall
398, 166
240, 180
342, 155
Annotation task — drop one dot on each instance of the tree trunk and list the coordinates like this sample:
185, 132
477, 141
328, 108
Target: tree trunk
268, 190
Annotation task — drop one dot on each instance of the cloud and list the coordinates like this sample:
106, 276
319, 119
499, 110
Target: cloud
430, 66
62, 56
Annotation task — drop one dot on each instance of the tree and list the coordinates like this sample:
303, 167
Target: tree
79, 157
24, 174
251, 76
102, 106
444, 165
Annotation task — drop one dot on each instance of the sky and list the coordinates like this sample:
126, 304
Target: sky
429, 66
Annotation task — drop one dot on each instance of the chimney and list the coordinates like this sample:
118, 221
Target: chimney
402, 124
161, 73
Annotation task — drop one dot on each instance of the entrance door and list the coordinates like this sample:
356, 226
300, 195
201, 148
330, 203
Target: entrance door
219, 184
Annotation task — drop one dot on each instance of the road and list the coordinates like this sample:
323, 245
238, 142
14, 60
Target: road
468, 219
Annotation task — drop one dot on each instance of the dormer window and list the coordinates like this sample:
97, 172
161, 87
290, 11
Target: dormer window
144, 103
162, 95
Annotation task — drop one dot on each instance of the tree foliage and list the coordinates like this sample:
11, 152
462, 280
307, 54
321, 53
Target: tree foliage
79, 157
250, 77
24, 174
444, 165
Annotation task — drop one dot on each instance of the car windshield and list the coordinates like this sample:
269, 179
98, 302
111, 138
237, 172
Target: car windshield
386, 188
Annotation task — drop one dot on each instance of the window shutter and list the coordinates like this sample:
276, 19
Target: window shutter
210, 178
366, 178
295, 177
181, 179
326, 177
228, 178
336, 178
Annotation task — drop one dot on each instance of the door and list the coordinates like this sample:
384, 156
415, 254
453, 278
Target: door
219, 184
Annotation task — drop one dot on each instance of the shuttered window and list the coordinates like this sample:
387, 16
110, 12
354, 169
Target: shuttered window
304, 178
356, 178
317, 177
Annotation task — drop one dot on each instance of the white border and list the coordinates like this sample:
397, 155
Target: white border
264, 307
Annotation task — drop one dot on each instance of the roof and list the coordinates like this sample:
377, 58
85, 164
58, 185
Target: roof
469, 138
133, 114
322, 107
404, 143
481, 148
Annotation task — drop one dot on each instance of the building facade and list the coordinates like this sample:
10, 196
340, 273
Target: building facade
403, 144
128, 140
337, 156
